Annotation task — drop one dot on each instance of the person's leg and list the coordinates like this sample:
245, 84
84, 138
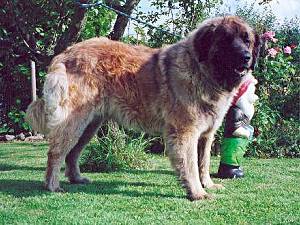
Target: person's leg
232, 151
236, 138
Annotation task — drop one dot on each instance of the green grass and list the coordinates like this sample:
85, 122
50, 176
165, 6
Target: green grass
269, 194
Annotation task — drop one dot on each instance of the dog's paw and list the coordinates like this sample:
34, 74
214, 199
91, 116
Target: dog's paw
80, 180
216, 187
200, 196
209, 184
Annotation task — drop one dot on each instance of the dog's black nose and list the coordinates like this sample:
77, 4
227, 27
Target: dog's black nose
247, 57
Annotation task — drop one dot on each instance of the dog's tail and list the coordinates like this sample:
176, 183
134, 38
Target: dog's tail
46, 113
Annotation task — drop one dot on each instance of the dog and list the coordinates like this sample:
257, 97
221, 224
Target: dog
181, 91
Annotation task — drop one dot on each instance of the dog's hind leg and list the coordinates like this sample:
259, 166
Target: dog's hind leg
182, 151
62, 139
204, 149
72, 166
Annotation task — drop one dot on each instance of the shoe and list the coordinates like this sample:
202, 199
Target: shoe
229, 172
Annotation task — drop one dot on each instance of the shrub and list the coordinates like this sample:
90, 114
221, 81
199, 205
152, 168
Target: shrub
277, 115
116, 150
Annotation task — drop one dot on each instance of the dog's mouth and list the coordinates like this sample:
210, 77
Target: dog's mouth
242, 70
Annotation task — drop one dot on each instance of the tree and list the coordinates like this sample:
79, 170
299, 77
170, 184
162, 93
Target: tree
71, 34
180, 18
121, 21
37, 30
264, 2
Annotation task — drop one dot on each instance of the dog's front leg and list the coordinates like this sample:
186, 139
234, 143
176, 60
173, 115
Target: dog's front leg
204, 149
181, 148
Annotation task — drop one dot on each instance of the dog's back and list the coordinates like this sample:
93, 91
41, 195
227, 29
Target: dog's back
111, 77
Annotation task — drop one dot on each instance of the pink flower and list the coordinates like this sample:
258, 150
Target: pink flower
287, 50
293, 46
268, 35
272, 52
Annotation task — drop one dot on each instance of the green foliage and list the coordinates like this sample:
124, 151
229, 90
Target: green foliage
115, 150
277, 115
178, 17
31, 30
28, 30
158, 38
289, 35
279, 84
17, 117
43, 22
282, 139
98, 23
259, 20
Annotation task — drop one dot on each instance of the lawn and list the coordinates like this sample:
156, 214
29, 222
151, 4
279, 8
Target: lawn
269, 194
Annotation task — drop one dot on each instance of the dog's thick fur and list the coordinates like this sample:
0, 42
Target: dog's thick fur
181, 91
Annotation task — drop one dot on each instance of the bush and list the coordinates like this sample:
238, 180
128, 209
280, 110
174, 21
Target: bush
277, 115
116, 150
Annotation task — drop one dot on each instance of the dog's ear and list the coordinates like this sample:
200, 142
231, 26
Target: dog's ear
203, 41
255, 51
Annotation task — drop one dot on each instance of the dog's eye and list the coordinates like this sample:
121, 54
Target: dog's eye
246, 40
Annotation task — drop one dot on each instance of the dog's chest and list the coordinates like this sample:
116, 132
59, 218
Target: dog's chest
220, 108
223, 104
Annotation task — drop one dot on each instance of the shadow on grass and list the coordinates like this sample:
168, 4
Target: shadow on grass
141, 172
25, 188
22, 188
22, 144
9, 167
120, 188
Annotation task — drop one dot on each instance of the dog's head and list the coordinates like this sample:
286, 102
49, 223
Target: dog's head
229, 46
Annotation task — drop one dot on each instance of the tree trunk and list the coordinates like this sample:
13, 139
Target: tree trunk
71, 35
122, 21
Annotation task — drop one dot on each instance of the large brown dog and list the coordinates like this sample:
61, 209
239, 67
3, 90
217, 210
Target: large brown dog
182, 91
